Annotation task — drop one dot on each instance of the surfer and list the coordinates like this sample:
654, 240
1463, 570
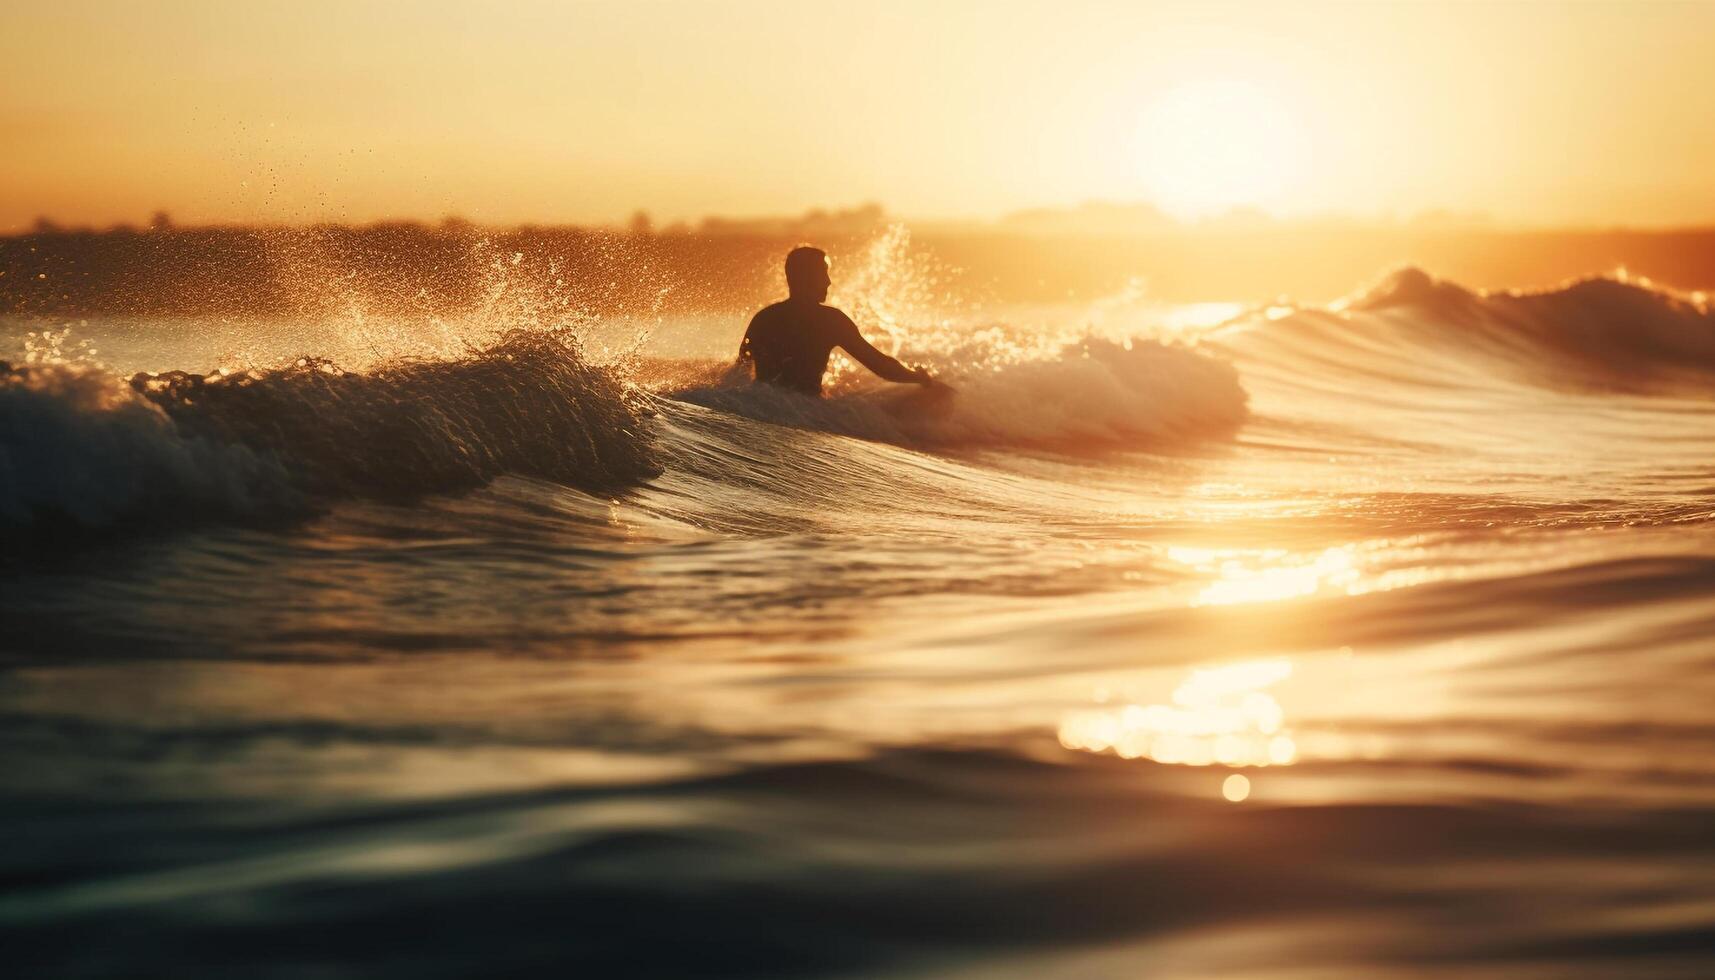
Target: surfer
790, 341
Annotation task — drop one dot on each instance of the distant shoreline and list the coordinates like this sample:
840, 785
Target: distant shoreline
410, 269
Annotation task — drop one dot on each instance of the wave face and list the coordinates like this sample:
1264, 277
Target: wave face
78, 444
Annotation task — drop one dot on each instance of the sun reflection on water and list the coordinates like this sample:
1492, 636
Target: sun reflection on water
1218, 716
1268, 576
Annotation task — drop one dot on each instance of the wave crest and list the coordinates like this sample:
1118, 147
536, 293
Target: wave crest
1604, 329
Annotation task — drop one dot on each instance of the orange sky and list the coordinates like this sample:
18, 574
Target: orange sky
578, 112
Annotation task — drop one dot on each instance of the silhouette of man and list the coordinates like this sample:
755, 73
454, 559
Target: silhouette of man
790, 341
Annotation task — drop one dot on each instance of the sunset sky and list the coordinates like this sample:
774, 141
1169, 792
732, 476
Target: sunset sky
582, 112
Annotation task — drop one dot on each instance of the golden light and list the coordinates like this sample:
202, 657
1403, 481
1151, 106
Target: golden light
1218, 716
1268, 576
1211, 145
1236, 788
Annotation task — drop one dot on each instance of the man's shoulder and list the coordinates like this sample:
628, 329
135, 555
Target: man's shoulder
834, 318
766, 320
821, 315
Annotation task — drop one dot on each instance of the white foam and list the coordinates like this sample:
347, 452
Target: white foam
1089, 395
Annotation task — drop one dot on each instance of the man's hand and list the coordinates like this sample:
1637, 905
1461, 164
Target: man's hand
931, 382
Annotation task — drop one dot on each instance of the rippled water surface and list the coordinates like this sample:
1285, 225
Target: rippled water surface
1374, 641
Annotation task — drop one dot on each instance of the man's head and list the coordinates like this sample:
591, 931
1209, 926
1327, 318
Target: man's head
807, 273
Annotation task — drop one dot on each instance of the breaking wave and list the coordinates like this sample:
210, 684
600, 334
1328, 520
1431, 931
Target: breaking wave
79, 445
1090, 395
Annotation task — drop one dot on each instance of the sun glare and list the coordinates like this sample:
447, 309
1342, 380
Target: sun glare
1218, 716
1210, 145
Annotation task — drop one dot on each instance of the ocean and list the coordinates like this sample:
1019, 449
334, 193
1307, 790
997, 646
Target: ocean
1195, 641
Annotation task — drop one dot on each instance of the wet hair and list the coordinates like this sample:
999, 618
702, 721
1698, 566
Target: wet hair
802, 262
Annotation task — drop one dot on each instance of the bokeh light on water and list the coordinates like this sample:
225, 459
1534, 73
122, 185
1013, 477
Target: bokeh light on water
1236, 788
1221, 716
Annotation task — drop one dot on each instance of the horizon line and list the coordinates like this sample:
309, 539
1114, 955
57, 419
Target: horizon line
1029, 221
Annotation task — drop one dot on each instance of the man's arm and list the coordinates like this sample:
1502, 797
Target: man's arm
885, 367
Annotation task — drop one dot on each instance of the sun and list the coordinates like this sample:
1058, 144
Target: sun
1209, 145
